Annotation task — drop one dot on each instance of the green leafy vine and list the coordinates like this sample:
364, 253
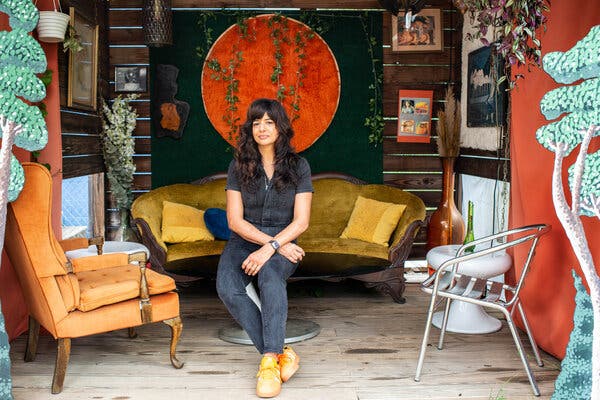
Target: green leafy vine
227, 74
374, 121
241, 20
278, 25
300, 75
46, 78
202, 50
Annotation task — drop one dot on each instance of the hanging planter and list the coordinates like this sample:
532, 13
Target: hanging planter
52, 25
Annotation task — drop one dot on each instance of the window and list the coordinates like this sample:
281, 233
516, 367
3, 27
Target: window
75, 207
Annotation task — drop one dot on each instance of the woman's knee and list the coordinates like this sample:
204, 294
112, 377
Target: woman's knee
269, 276
225, 286
277, 268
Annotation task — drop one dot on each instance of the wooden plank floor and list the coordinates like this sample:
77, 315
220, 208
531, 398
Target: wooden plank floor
367, 350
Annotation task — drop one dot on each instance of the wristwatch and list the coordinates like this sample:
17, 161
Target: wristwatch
274, 244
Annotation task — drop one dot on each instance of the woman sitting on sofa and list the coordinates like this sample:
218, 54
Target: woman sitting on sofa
269, 193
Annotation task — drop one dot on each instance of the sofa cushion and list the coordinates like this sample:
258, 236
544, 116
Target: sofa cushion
343, 246
183, 223
216, 222
201, 248
373, 221
331, 208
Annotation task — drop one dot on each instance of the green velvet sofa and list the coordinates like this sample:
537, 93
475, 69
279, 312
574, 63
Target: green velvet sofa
327, 255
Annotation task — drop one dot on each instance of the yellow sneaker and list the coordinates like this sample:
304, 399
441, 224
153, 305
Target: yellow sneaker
289, 362
268, 383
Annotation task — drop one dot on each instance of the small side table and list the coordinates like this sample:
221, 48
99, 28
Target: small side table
110, 246
466, 317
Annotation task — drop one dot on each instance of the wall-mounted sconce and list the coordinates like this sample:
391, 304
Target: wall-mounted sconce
395, 6
410, 8
158, 23
463, 7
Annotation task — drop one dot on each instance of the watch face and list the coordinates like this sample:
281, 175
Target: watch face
274, 244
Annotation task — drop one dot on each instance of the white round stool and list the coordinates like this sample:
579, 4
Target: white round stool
466, 317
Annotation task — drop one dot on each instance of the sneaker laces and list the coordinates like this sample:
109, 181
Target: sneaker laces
270, 370
286, 358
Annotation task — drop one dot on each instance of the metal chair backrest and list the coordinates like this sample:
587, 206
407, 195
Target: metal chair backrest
498, 242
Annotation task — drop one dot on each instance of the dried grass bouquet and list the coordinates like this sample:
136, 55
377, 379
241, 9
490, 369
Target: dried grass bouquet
448, 126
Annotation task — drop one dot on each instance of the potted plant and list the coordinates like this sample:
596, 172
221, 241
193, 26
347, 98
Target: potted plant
52, 25
72, 42
515, 26
118, 147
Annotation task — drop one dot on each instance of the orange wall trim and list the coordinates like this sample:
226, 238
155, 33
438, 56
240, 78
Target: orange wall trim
13, 305
549, 294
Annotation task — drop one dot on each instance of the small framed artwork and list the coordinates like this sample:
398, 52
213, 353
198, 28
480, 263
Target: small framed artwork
414, 115
83, 65
424, 32
131, 79
486, 101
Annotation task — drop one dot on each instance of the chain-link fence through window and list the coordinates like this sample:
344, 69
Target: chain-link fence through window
75, 207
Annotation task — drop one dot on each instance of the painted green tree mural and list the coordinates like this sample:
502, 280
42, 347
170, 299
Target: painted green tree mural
580, 105
575, 379
21, 124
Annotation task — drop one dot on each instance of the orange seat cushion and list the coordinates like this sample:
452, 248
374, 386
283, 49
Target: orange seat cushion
112, 285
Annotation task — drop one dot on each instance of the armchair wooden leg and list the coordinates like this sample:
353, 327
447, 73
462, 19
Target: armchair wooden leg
60, 368
32, 339
176, 328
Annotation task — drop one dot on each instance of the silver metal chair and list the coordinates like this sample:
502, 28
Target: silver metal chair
448, 283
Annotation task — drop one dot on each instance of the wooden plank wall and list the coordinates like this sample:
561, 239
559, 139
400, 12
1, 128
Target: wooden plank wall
82, 151
127, 48
416, 167
413, 167
80, 128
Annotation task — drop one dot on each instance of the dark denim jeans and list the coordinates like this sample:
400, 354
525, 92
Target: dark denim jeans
265, 327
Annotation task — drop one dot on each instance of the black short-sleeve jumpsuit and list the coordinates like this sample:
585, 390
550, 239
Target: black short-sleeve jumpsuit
270, 211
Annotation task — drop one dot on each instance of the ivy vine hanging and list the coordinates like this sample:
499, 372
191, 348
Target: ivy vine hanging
514, 24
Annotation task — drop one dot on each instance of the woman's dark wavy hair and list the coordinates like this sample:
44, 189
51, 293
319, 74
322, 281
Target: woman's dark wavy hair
248, 158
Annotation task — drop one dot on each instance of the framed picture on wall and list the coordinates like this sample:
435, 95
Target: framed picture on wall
486, 101
414, 115
424, 32
131, 79
83, 65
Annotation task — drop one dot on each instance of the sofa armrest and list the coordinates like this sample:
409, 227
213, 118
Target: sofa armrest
399, 252
158, 254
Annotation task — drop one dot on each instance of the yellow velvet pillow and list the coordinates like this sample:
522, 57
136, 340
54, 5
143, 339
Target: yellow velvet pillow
182, 223
373, 221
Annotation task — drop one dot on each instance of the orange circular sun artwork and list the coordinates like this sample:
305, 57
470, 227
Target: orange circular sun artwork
275, 57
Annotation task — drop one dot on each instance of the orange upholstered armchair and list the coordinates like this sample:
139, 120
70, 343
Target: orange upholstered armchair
84, 296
